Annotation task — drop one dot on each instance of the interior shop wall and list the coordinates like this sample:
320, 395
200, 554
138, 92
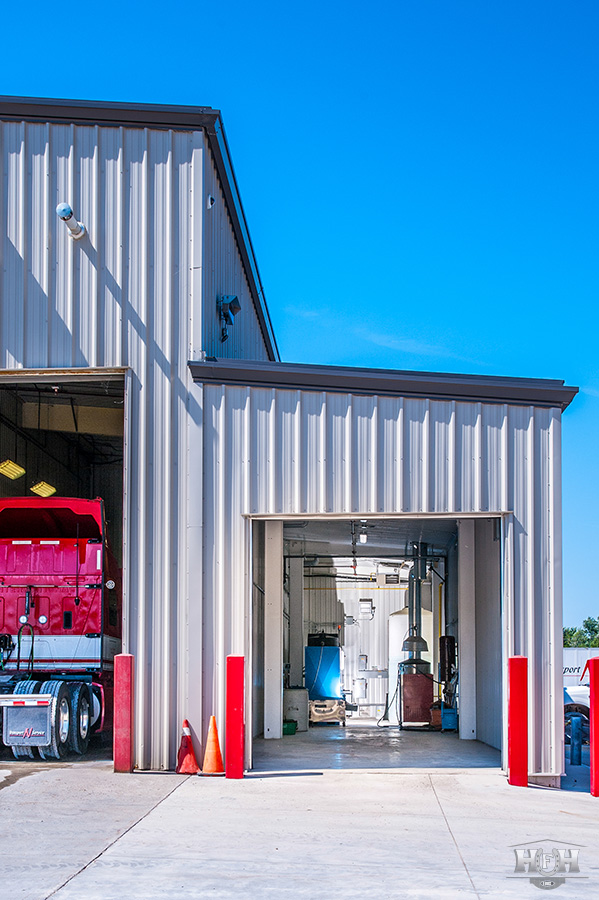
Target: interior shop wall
323, 606
107, 483
45, 456
328, 601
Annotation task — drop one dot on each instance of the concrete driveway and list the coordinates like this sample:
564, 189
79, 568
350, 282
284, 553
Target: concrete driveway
76, 830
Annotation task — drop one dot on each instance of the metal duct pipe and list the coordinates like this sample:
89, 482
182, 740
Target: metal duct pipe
411, 598
415, 644
420, 566
76, 229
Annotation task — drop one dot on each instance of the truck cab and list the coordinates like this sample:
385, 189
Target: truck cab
60, 622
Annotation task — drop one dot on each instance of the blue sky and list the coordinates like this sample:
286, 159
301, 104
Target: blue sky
420, 179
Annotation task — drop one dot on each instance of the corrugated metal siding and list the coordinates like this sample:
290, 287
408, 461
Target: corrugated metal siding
128, 294
224, 274
314, 453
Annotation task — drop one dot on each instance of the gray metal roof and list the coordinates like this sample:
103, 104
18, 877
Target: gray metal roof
386, 382
177, 118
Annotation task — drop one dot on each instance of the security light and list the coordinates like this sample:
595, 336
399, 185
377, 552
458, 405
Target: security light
228, 307
234, 305
11, 469
43, 489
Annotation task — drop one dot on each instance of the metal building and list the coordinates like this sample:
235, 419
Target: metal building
225, 447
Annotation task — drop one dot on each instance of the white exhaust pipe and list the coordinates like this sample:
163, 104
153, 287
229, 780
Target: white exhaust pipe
76, 229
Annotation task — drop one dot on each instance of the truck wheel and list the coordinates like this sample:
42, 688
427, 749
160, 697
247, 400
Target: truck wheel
60, 719
576, 708
80, 718
25, 687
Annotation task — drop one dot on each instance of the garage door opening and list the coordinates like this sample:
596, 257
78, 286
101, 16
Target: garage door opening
61, 557
376, 643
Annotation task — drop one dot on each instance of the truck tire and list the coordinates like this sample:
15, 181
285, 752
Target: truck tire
80, 718
25, 687
578, 708
60, 720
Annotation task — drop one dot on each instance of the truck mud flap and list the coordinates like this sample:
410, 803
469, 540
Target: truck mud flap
27, 720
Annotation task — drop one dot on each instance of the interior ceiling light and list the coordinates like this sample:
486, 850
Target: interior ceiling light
11, 469
43, 489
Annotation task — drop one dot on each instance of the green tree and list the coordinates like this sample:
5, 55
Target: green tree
587, 636
591, 626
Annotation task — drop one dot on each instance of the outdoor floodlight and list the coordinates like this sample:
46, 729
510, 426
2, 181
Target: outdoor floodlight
228, 307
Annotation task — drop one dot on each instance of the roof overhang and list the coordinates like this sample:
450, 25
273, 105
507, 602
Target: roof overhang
176, 118
386, 382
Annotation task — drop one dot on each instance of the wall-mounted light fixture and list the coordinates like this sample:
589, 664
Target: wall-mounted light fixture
367, 609
76, 229
228, 307
210, 201
11, 469
43, 489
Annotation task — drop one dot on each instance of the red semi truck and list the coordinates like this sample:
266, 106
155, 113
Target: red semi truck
60, 624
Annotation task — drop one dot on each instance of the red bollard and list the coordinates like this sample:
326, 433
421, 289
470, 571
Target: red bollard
235, 720
517, 721
123, 713
593, 665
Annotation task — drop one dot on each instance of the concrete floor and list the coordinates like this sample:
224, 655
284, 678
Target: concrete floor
75, 830
334, 813
363, 745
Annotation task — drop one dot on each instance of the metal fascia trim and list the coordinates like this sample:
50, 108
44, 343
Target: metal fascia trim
333, 379
91, 112
9, 376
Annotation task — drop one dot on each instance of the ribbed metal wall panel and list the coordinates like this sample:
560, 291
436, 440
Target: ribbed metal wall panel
224, 274
374, 455
130, 295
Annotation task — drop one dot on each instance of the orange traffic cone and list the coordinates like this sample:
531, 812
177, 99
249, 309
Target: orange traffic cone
187, 763
213, 761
